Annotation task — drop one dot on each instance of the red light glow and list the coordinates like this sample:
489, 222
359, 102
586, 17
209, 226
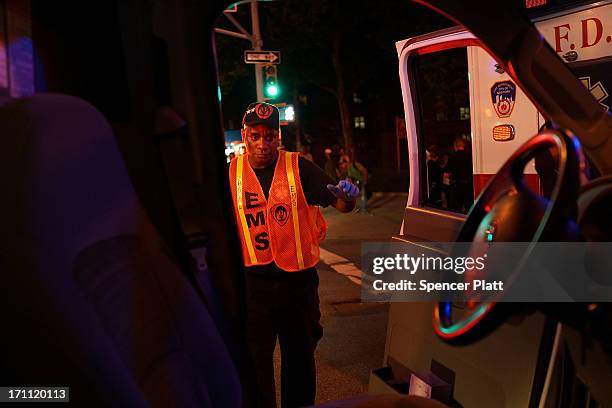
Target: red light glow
503, 133
534, 3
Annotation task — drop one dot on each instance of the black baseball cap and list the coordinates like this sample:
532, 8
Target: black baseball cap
261, 113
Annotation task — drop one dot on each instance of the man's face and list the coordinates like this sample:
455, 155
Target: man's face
261, 144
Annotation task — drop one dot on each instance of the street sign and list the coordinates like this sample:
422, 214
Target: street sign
262, 57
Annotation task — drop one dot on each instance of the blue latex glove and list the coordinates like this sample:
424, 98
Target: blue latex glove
345, 190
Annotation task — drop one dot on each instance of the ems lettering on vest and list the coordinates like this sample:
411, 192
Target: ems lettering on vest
252, 200
239, 192
256, 219
293, 196
261, 241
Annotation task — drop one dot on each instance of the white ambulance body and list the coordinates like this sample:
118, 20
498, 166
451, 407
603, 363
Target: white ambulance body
501, 117
451, 89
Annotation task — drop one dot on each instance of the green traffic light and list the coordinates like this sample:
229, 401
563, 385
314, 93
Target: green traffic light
272, 90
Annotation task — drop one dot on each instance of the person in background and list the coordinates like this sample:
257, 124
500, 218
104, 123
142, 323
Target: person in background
358, 174
279, 233
330, 166
341, 170
306, 153
343, 162
459, 172
445, 186
434, 176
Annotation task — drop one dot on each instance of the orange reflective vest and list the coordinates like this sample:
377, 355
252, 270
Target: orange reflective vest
283, 228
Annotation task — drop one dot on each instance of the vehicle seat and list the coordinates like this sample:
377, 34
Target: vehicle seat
91, 297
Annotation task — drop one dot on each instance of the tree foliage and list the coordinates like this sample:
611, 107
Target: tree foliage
338, 46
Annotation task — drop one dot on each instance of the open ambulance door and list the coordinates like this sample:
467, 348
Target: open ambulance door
445, 80
452, 89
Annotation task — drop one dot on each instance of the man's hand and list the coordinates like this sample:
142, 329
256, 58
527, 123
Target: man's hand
345, 190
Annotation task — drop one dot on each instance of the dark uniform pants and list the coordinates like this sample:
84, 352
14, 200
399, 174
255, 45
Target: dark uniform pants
462, 196
284, 305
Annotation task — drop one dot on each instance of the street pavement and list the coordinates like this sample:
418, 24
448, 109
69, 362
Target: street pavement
353, 340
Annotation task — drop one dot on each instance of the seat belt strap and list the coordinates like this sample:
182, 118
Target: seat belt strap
180, 174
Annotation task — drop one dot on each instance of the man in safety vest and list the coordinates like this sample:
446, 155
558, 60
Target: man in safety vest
275, 195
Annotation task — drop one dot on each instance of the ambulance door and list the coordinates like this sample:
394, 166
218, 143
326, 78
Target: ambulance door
433, 72
454, 92
442, 98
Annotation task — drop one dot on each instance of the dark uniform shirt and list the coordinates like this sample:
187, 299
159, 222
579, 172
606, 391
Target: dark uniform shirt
460, 166
314, 183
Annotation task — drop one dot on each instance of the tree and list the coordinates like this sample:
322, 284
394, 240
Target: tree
314, 34
340, 47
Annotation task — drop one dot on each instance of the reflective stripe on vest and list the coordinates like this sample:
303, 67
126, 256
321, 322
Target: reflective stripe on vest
250, 212
294, 212
243, 222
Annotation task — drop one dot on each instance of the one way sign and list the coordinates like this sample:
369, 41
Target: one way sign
262, 57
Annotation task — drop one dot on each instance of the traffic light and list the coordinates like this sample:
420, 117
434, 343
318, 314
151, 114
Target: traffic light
271, 88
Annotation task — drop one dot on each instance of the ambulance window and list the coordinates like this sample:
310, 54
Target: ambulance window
443, 123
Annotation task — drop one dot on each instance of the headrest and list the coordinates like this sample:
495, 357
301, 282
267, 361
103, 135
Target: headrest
62, 158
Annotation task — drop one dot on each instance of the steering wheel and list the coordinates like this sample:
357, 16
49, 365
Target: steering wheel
509, 211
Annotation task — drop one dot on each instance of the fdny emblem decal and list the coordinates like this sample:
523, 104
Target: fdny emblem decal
503, 96
263, 111
280, 212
